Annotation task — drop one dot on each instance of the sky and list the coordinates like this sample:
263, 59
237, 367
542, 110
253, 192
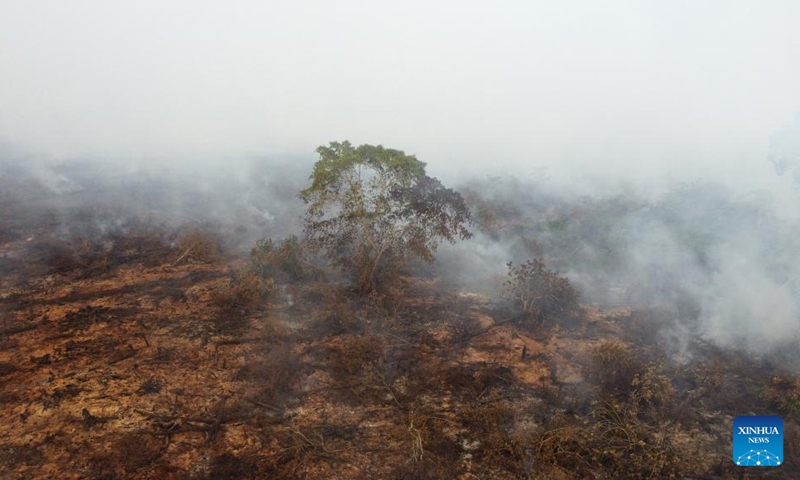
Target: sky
633, 90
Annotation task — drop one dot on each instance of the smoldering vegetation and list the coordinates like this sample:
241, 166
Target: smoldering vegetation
724, 264
174, 324
75, 215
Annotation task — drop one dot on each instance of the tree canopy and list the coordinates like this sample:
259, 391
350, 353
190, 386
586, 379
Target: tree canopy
371, 209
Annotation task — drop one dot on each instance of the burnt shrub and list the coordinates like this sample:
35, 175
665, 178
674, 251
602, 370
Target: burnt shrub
337, 318
132, 452
783, 394
7, 368
356, 354
231, 467
356, 363
652, 391
150, 386
612, 366
199, 246
470, 382
247, 290
629, 447
429, 452
56, 254
490, 427
13, 455
539, 292
273, 373
614, 442
231, 323
288, 261
145, 245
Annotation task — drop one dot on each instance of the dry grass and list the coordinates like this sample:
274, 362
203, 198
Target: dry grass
612, 366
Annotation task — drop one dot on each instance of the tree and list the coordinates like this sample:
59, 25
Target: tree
372, 209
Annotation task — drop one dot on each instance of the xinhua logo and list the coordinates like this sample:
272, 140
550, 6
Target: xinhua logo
758, 441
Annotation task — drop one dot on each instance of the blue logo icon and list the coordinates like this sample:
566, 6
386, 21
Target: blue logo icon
758, 441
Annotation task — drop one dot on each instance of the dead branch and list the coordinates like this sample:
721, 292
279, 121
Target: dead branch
122, 356
187, 252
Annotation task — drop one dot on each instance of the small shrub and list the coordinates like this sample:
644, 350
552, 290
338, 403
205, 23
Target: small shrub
13, 455
472, 382
783, 394
247, 290
616, 443
7, 368
231, 467
356, 354
146, 245
273, 374
612, 366
356, 365
563, 445
133, 452
231, 323
200, 247
150, 386
261, 256
631, 448
491, 427
536, 290
338, 317
287, 260
652, 390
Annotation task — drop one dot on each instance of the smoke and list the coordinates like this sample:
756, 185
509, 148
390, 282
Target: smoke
725, 264
253, 197
785, 150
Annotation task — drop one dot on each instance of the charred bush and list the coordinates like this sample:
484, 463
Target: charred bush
652, 391
356, 354
231, 467
490, 435
612, 366
53, 399
7, 368
288, 261
644, 326
230, 322
355, 363
783, 394
429, 451
539, 292
147, 246
615, 442
83, 318
471, 383
56, 254
338, 317
199, 246
150, 386
132, 452
247, 290
428, 468
13, 455
273, 374
629, 447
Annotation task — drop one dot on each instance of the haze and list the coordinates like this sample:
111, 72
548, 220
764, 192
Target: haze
616, 90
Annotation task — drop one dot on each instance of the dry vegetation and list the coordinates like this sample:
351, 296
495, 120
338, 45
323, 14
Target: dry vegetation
153, 353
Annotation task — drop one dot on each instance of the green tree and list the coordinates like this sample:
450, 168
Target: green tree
371, 209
